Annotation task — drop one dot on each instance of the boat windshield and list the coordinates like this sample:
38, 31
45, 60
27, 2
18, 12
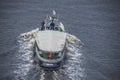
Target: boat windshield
56, 26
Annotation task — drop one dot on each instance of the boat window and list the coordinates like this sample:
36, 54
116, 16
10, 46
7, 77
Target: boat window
48, 55
56, 55
44, 54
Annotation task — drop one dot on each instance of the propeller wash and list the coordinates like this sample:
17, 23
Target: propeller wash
71, 68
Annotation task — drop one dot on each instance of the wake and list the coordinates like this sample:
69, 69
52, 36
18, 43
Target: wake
71, 68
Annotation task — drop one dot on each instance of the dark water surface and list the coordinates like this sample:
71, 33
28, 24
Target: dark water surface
95, 22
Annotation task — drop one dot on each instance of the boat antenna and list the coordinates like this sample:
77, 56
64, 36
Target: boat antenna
47, 16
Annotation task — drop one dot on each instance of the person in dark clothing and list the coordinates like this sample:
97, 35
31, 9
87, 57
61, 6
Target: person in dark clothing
52, 25
43, 25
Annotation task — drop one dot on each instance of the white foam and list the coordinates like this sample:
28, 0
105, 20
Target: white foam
26, 42
72, 67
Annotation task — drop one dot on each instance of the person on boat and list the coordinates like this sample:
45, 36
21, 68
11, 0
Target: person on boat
52, 24
43, 25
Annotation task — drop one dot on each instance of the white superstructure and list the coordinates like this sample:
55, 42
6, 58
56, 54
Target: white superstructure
51, 41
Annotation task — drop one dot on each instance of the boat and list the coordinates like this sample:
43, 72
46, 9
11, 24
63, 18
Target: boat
50, 44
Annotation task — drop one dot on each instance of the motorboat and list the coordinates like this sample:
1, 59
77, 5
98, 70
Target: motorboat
50, 45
